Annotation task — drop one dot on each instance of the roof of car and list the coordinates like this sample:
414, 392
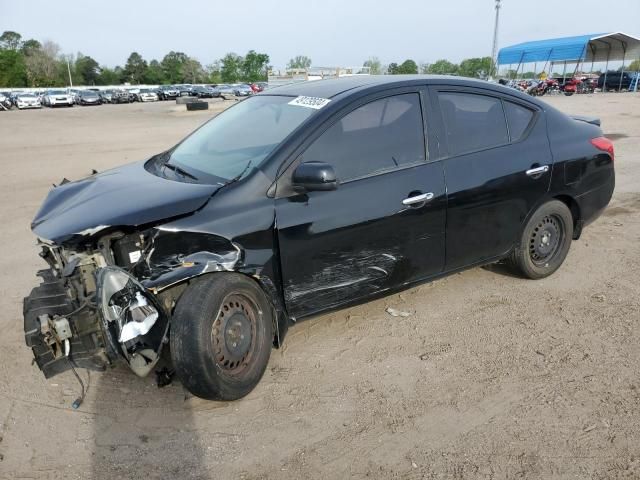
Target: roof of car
336, 86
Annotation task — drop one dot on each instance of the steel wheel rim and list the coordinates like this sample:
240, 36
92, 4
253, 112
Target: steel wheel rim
233, 334
546, 239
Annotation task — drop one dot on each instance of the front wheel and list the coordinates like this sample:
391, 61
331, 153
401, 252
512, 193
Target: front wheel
545, 241
221, 336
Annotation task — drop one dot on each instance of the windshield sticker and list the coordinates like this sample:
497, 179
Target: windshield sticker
310, 102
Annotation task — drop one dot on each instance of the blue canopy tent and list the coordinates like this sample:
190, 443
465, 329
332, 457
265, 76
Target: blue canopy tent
597, 47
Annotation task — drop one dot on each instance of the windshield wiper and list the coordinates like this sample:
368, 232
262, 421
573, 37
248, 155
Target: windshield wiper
179, 170
239, 176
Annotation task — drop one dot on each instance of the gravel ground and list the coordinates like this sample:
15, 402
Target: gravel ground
491, 376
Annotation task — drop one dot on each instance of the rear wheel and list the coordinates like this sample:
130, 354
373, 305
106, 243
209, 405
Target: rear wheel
221, 336
545, 241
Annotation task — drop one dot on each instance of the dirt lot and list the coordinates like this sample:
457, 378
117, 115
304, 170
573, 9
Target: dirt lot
490, 377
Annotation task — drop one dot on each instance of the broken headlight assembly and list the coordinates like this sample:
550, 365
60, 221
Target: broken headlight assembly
135, 323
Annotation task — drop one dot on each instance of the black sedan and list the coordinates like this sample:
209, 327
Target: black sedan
88, 97
205, 92
345, 190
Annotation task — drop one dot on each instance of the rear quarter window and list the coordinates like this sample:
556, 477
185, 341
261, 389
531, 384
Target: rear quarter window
518, 118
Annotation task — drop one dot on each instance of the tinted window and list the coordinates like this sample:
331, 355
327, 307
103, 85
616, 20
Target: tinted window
472, 122
377, 137
518, 118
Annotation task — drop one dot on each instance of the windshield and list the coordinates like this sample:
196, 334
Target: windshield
89, 93
240, 137
57, 92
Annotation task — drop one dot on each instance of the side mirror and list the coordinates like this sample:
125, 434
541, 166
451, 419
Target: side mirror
314, 176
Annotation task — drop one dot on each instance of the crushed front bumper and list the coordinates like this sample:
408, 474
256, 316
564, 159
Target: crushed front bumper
50, 300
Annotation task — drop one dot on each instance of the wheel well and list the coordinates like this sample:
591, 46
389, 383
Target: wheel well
575, 213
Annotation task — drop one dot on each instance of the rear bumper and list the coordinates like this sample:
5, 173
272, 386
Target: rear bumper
595, 201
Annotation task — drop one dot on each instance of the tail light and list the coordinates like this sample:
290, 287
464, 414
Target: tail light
604, 144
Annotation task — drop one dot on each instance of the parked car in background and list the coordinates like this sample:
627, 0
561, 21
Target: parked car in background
168, 93
258, 87
615, 81
120, 96
242, 90
217, 245
205, 92
185, 90
88, 97
106, 95
133, 94
54, 98
147, 95
5, 101
226, 89
27, 100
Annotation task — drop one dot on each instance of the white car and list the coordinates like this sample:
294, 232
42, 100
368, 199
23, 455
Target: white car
27, 100
53, 98
147, 95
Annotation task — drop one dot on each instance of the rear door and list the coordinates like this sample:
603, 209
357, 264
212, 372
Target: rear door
384, 224
498, 168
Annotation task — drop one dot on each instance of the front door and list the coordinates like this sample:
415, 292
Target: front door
384, 224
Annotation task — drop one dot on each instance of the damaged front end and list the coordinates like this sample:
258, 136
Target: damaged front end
111, 298
89, 314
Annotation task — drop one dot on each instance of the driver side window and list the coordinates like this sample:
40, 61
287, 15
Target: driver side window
380, 136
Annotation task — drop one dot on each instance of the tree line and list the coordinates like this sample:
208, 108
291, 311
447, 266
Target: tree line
30, 63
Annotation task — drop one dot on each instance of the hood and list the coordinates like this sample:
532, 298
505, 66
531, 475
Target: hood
125, 196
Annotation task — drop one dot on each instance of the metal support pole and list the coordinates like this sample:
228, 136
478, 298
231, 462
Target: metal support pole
606, 70
494, 50
624, 54
564, 72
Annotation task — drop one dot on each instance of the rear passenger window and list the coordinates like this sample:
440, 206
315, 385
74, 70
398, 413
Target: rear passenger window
472, 122
518, 118
380, 136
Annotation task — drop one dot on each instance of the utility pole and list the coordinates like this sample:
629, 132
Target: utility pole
494, 50
69, 72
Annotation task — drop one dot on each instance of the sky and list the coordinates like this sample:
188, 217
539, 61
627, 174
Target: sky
330, 32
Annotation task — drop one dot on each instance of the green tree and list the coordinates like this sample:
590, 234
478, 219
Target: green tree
634, 66
108, 76
443, 67
43, 65
87, 69
213, 72
154, 74
374, 65
408, 67
10, 40
230, 69
172, 66
29, 46
475, 67
299, 62
254, 66
192, 71
135, 68
12, 69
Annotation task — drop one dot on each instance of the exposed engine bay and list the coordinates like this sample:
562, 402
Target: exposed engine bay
111, 298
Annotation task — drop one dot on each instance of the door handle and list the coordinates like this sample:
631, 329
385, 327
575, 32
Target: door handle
532, 172
423, 197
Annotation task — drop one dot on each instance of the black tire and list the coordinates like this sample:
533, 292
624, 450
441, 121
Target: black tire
545, 241
205, 360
